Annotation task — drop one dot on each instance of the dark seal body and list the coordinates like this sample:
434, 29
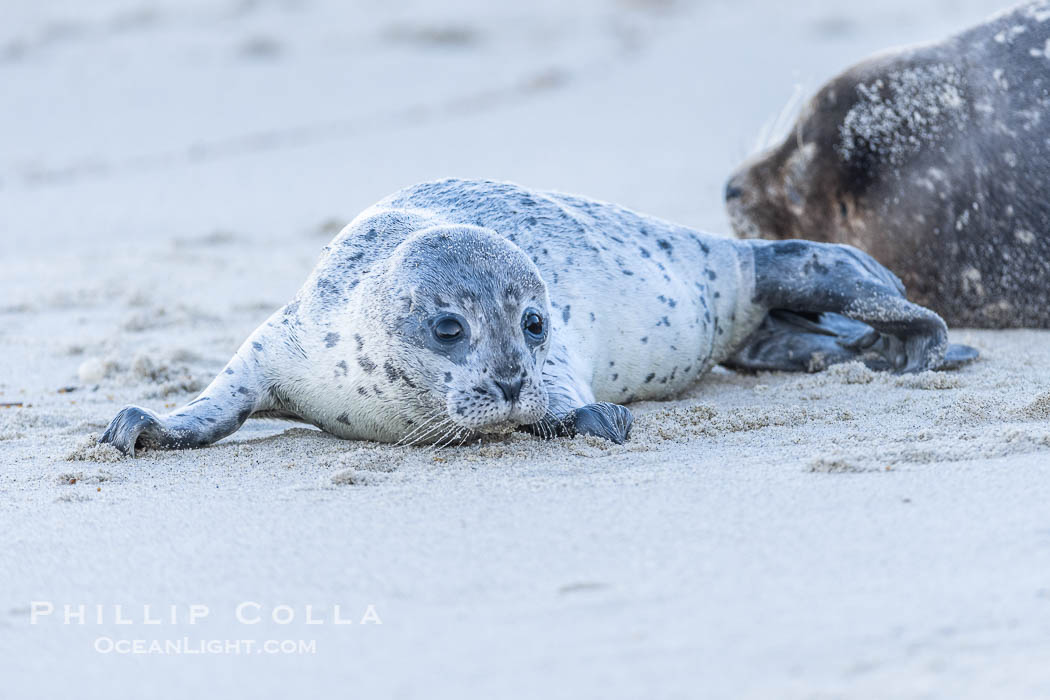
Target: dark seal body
935, 160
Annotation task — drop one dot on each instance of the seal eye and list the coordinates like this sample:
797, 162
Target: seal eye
448, 329
532, 324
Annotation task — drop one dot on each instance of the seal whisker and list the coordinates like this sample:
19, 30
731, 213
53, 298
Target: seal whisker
426, 421
776, 127
439, 429
449, 428
432, 425
449, 438
549, 425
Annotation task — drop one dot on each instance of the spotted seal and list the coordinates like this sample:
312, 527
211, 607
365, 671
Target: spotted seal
457, 308
934, 159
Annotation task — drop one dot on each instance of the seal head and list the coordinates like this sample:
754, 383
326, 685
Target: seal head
837, 176
932, 159
468, 328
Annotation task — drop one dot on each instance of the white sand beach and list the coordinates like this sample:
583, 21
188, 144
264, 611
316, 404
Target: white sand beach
169, 175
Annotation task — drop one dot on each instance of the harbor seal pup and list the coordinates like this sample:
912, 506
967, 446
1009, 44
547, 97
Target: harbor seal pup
458, 308
934, 159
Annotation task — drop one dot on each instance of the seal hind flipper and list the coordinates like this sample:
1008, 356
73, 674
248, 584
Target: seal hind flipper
791, 342
843, 286
958, 356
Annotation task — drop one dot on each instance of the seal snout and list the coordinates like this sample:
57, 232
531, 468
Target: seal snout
511, 389
733, 189
496, 402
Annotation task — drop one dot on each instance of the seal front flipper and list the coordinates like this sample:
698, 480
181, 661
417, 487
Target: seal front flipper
609, 421
810, 279
572, 409
605, 420
219, 411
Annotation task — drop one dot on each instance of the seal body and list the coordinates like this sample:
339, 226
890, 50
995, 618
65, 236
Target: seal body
935, 159
458, 308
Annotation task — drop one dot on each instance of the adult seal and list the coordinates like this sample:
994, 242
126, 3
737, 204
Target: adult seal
458, 308
935, 160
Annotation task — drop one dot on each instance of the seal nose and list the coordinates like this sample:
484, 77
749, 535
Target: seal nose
511, 389
733, 190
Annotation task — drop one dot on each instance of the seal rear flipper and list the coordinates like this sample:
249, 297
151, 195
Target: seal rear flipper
219, 411
959, 356
791, 342
820, 278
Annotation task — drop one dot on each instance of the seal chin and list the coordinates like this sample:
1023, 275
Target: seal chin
740, 221
498, 425
501, 428
737, 203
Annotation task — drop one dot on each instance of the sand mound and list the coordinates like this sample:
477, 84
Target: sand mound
88, 450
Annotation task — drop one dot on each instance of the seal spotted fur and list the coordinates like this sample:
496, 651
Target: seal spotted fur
934, 159
457, 308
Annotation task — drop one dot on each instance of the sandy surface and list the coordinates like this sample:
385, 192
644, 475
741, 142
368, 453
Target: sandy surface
171, 172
